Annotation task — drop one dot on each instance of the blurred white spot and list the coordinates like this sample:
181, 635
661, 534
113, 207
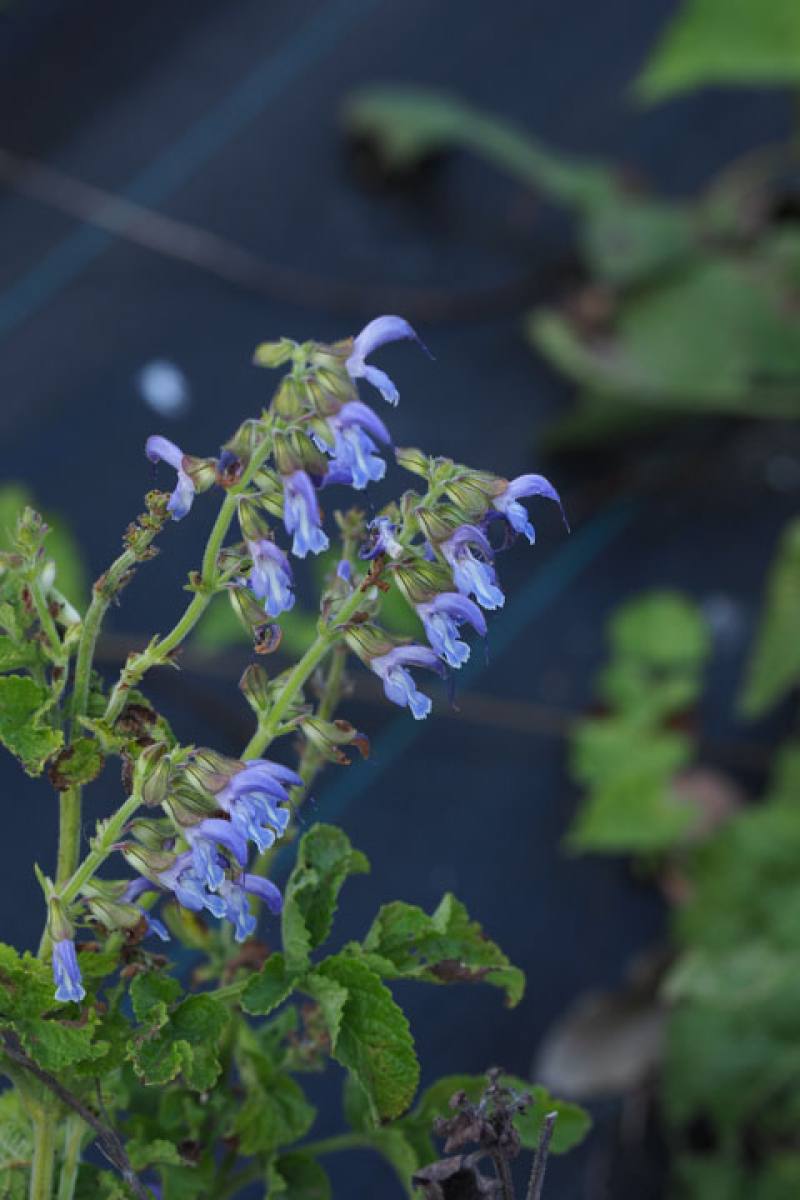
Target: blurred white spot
726, 620
164, 388
782, 473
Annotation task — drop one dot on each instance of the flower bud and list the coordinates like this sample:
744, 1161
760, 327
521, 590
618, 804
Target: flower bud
274, 354
201, 471
255, 687
252, 521
189, 808
473, 491
149, 863
368, 641
321, 432
420, 580
290, 400
152, 773
329, 736
249, 612
207, 771
151, 832
270, 491
413, 460
296, 452
114, 915
437, 524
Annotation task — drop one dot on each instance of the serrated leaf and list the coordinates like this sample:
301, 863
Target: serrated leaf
56, 1045
20, 729
26, 985
152, 993
298, 1176
732, 42
60, 545
143, 1153
269, 988
331, 996
14, 655
275, 1111
774, 666
374, 1041
325, 858
404, 942
180, 1039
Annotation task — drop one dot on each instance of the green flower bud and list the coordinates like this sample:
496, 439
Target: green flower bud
151, 832
152, 773
255, 687
290, 400
328, 737
249, 612
274, 354
207, 771
59, 925
149, 863
437, 524
201, 471
368, 641
420, 580
413, 460
113, 915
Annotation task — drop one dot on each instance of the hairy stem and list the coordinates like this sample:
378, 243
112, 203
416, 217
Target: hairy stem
44, 1153
74, 1128
46, 619
299, 674
69, 834
108, 834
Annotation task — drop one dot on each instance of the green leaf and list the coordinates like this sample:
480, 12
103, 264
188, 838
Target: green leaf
26, 985
180, 1039
20, 729
299, 1177
76, 765
373, 1040
404, 942
332, 999
16, 1147
664, 630
269, 988
14, 655
734, 42
61, 545
275, 1111
56, 1045
774, 666
325, 858
143, 1153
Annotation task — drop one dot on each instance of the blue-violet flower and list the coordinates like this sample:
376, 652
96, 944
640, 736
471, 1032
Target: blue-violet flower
161, 449
473, 576
508, 504
442, 616
66, 972
373, 335
301, 515
270, 576
398, 684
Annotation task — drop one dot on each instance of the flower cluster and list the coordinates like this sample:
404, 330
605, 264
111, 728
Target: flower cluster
438, 550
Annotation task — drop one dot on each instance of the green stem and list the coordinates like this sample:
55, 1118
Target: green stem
44, 1152
103, 593
300, 673
73, 1141
69, 834
342, 1141
46, 619
159, 651
108, 834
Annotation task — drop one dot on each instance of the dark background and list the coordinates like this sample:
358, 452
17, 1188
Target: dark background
225, 116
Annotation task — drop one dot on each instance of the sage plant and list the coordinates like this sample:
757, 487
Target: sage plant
131, 1076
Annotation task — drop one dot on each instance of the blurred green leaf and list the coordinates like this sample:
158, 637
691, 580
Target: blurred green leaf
734, 42
774, 666
61, 545
16, 1147
325, 858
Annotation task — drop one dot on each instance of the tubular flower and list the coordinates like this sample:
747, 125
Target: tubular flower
252, 799
132, 893
372, 336
204, 840
189, 888
66, 972
397, 682
301, 515
382, 540
473, 576
161, 449
235, 894
442, 617
355, 459
507, 503
270, 576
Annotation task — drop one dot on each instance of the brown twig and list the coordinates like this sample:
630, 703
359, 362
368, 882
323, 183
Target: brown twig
107, 1140
540, 1162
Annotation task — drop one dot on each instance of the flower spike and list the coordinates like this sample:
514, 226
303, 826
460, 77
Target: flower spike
372, 336
66, 972
161, 449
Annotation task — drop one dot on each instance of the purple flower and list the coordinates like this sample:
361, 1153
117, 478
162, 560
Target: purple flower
355, 459
204, 839
373, 335
382, 540
473, 575
155, 926
271, 576
132, 893
252, 800
344, 570
508, 502
442, 617
237, 911
397, 681
161, 449
66, 972
301, 515
189, 888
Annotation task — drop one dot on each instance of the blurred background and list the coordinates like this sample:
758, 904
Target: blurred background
590, 213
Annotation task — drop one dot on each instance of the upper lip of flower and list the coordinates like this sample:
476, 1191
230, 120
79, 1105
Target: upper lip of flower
375, 334
161, 449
